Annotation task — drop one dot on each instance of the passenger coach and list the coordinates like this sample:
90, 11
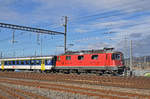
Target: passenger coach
27, 63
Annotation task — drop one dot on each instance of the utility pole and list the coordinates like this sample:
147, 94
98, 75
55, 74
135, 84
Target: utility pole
131, 58
126, 46
41, 46
145, 62
1, 54
38, 39
23, 51
35, 53
65, 34
13, 37
14, 54
36, 30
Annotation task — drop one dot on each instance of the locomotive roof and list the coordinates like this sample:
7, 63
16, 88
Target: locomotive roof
105, 50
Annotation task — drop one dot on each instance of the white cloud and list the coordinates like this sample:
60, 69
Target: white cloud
136, 29
124, 5
79, 30
89, 39
51, 11
54, 9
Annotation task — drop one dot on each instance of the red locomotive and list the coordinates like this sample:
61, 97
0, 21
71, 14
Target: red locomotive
104, 61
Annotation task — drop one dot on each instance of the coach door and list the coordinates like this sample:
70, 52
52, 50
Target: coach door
42, 65
2, 65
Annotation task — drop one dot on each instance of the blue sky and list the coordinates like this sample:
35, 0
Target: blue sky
92, 24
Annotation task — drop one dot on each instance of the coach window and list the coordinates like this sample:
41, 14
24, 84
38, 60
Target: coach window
9, 62
80, 57
17, 62
45, 62
5, 63
27, 62
32, 62
13, 62
68, 57
94, 57
22, 62
37, 62
48, 62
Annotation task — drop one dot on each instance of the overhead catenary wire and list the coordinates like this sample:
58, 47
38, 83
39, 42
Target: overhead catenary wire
9, 37
100, 15
105, 18
92, 24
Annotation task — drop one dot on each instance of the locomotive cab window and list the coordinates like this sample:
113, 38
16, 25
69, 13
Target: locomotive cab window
68, 57
94, 57
116, 56
80, 57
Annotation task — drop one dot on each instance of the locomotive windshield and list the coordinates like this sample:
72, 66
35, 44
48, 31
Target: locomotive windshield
116, 56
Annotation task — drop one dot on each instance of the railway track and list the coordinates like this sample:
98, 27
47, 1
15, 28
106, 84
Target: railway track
109, 94
125, 82
13, 93
42, 81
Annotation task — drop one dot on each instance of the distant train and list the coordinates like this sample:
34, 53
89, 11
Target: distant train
104, 61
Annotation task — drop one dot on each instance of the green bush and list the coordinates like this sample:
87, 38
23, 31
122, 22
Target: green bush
147, 74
